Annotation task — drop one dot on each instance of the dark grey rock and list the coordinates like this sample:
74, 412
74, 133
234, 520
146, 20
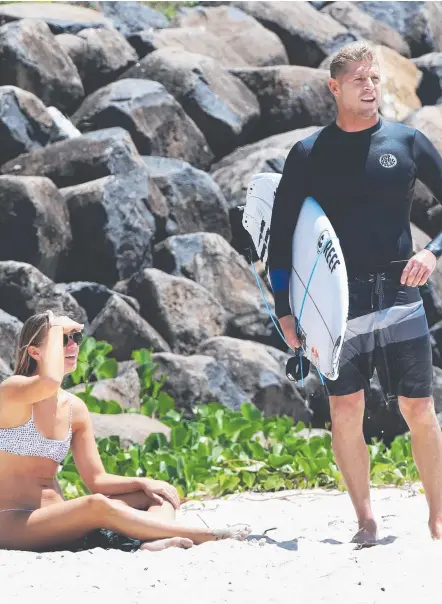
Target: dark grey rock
62, 17
25, 291
94, 296
183, 312
420, 23
155, 120
79, 160
100, 55
121, 326
112, 229
290, 97
32, 59
195, 202
245, 35
34, 223
307, 34
222, 107
130, 17
25, 123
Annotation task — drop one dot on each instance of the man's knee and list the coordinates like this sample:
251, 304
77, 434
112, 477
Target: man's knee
347, 409
417, 411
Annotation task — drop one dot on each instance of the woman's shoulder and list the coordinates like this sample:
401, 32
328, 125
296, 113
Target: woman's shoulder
78, 406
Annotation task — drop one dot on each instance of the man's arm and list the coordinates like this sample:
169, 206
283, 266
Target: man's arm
429, 171
289, 196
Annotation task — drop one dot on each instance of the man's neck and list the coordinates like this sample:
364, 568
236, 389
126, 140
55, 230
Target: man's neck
352, 123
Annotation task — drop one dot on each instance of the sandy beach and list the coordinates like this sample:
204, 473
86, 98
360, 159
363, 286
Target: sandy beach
307, 555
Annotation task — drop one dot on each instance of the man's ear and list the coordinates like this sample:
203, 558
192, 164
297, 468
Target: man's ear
333, 86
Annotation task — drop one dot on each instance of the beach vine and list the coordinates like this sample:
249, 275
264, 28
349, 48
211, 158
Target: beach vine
215, 450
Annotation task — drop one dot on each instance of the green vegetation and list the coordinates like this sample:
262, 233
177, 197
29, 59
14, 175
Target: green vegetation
218, 451
170, 9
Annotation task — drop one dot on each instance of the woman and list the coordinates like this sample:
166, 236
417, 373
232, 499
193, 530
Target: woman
39, 423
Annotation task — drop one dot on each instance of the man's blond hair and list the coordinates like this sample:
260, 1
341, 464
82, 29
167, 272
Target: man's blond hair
355, 52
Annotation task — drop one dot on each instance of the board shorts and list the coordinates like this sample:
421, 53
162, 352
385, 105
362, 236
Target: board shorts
103, 538
387, 331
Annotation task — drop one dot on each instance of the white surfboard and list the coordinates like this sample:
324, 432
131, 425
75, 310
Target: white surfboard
318, 282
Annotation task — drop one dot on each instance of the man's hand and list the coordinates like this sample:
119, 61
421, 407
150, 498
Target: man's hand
288, 326
158, 491
419, 269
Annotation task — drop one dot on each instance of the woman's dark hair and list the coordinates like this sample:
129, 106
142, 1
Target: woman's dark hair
32, 333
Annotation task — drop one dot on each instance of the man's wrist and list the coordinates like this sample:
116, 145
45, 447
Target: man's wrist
427, 249
282, 305
435, 246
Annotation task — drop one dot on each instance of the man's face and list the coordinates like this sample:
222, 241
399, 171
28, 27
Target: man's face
358, 89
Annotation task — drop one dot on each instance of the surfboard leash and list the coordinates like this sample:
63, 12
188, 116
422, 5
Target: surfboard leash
300, 312
299, 351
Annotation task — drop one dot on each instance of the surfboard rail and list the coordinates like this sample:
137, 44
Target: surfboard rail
318, 282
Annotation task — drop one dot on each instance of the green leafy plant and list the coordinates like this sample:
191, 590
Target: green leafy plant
217, 450
220, 451
94, 364
170, 9
154, 401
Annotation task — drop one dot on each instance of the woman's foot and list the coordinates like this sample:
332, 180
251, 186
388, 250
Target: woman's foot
160, 544
239, 532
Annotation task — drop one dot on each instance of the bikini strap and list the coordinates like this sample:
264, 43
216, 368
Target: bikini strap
70, 414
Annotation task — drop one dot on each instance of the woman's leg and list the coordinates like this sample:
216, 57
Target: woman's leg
62, 522
139, 501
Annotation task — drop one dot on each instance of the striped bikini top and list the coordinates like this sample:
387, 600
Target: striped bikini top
27, 440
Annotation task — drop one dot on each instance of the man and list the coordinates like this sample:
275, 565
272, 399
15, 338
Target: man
362, 170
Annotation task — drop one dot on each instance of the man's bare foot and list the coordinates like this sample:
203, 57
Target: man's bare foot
239, 532
367, 534
435, 530
160, 544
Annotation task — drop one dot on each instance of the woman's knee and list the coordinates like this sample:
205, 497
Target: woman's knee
98, 503
165, 510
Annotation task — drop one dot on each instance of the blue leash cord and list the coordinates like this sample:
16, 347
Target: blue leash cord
300, 312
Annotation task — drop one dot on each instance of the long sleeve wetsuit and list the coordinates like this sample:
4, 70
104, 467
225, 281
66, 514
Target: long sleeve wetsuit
364, 182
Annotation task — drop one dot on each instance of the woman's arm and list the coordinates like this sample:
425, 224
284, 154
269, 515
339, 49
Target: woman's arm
28, 390
31, 389
87, 458
91, 469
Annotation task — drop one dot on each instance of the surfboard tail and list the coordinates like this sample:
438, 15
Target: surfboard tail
257, 212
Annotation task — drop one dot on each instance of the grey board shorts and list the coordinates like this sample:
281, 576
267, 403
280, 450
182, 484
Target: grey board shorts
387, 330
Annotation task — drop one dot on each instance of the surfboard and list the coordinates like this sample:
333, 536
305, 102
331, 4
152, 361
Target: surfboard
318, 281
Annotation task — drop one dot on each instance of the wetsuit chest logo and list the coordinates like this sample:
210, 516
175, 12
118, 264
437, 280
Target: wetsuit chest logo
388, 160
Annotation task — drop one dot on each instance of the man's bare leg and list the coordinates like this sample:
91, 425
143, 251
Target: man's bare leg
351, 454
426, 442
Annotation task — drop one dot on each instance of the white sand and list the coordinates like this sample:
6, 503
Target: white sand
308, 558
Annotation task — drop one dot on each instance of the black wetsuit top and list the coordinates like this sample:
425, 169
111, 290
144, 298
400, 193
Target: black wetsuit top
364, 182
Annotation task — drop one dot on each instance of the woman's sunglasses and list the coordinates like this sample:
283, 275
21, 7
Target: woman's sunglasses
76, 337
